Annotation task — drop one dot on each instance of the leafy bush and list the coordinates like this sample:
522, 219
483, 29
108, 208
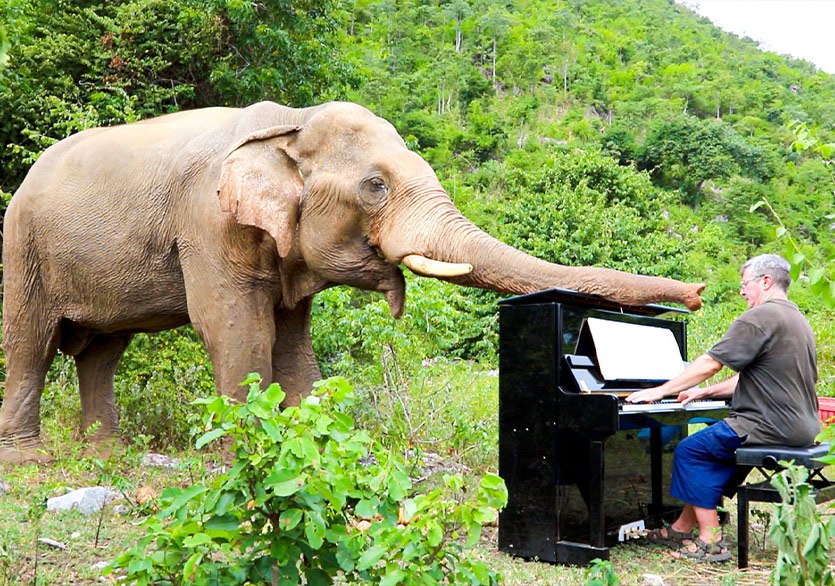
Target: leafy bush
801, 534
157, 379
582, 208
309, 496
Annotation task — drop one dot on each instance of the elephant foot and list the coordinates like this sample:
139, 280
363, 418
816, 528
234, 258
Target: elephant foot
30, 453
103, 448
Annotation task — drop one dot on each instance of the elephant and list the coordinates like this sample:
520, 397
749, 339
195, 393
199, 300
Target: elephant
232, 219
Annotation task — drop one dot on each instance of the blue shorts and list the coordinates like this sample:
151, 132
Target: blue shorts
704, 466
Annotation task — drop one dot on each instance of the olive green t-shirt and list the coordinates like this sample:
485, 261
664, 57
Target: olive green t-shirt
772, 347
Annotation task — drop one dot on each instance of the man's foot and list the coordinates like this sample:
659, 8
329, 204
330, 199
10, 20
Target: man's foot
669, 537
698, 551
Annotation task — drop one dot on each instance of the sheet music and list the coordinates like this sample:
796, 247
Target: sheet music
627, 351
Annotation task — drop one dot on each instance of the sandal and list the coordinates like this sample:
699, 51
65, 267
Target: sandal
698, 551
669, 537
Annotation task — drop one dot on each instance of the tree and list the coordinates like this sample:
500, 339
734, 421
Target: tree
77, 65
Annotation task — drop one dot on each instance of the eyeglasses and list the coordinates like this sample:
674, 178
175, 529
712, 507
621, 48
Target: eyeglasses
744, 283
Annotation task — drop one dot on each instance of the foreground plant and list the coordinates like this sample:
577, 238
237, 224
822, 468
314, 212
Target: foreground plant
802, 535
309, 495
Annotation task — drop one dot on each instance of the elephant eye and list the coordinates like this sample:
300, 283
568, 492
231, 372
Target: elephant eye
378, 186
373, 191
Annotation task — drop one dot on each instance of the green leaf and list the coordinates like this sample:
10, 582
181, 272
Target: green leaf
435, 534
285, 482
316, 577
812, 540
781, 231
208, 437
371, 556
197, 539
140, 565
223, 502
816, 275
393, 577
272, 430
366, 508
274, 394
252, 377
314, 530
188, 568
181, 497
223, 523
289, 519
756, 206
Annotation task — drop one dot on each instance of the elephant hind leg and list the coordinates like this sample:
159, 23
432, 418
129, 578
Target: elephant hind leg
97, 364
30, 342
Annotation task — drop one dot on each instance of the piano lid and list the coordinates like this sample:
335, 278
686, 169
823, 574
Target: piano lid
570, 297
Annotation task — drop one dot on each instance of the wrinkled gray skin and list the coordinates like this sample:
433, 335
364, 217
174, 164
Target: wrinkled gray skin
232, 220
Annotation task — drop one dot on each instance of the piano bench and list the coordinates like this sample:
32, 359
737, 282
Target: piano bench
766, 459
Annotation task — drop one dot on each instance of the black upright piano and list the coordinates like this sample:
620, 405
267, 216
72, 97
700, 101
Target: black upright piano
584, 470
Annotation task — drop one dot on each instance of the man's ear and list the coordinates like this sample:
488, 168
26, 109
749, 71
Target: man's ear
260, 184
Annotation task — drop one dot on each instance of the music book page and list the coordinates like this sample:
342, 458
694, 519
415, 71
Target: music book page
627, 351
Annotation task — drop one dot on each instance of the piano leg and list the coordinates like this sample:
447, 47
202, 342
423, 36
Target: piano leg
656, 447
597, 532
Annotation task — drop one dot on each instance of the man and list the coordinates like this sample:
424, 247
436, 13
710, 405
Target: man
772, 348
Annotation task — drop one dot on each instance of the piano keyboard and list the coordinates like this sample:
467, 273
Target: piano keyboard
670, 405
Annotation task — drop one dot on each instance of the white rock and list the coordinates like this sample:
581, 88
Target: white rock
75, 535
160, 460
653, 580
99, 565
51, 543
87, 500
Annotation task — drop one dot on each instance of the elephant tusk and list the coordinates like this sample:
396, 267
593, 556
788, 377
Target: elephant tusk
435, 268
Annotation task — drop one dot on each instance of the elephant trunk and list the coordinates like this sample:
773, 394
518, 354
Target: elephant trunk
455, 240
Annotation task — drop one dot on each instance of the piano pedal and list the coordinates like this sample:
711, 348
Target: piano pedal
634, 530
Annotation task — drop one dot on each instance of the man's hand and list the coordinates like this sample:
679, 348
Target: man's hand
693, 394
646, 396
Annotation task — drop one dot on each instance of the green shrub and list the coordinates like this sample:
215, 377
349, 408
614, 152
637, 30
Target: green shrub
157, 379
309, 496
801, 533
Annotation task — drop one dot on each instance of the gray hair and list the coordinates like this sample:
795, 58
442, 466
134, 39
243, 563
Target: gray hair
770, 264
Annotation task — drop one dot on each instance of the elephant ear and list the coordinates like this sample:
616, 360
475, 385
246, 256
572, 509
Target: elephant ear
260, 184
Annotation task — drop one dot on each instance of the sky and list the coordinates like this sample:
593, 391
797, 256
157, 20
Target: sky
800, 28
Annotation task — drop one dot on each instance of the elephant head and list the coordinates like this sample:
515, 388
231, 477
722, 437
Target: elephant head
340, 192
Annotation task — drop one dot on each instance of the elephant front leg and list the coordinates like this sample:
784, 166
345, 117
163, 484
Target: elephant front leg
96, 368
238, 330
294, 364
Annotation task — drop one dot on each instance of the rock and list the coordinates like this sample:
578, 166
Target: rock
99, 566
86, 500
51, 543
160, 460
4, 487
144, 494
653, 580
120, 509
75, 535
432, 463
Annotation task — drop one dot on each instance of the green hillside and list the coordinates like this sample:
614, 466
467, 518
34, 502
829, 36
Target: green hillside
629, 134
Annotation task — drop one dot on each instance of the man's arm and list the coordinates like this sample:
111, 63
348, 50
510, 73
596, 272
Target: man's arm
722, 390
701, 369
